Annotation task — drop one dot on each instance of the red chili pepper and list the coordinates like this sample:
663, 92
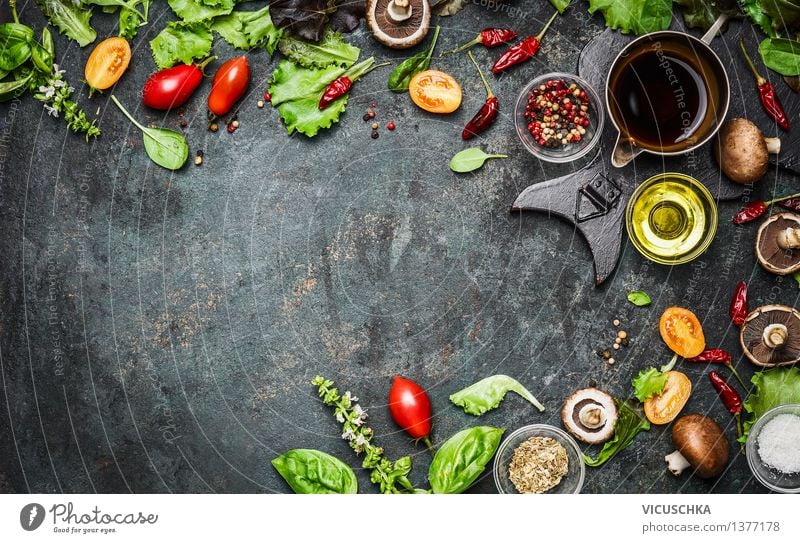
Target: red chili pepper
521, 52
489, 37
769, 99
730, 398
717, 356
757, 208
792, 204
488, 112
341, 85
738, 309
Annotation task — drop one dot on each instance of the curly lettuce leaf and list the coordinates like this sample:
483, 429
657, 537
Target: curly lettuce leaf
331, 50
248, 29
649, 382
192, 11
773, 387
296, 92
181, 42
629, 423
637, 16
130, 20
487, 394
72, 20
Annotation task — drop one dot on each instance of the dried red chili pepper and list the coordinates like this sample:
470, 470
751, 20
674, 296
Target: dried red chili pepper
792, 204
341, 85
489, 37
757, 208
717, 356
730, 398
488, 112
769, 98
738, 309
521, 52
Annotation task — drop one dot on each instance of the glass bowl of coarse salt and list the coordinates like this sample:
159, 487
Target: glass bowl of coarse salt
773, 449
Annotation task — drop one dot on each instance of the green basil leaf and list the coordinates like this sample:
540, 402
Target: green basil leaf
47, 42
462, 459
166, 147
781, 55
309, 471
639, 297
470, 160
42, 58
12, 89
487, 394
15, 45
629, 423
401, 76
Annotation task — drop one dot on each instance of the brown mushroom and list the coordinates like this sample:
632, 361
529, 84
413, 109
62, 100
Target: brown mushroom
701, 445
399, 24
778, 243
590, 415
743, 152
770, 336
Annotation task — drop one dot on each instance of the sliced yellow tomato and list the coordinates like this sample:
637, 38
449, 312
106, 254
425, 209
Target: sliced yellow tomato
107, 63
682, 332
435, 91
663, 408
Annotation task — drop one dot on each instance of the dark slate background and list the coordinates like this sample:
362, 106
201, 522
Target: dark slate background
159, 330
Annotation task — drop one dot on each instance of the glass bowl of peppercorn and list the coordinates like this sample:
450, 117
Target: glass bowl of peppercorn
539, 459
559, 117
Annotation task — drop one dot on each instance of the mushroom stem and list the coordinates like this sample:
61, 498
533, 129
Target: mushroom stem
775, 335
399, 10
676, 463
789, 238
773, 145
592, 416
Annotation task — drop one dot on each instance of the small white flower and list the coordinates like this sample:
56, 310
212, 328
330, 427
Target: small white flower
361, 415
51, 110
70, 89
47, 91
56, 72
339, 416
350, 396
349, 435
59, 83
361, 441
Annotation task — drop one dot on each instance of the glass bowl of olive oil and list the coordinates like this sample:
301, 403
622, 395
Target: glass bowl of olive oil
671, 218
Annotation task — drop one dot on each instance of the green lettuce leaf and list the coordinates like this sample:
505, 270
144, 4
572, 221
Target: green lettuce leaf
71, 20
331, 50
296, 92
130, 21
248, 29
560, 5
487, 394
181, 42
637, 16
649, 382
192, 11
629, 423
773, 387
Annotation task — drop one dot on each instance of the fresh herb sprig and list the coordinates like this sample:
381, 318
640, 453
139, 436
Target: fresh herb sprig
391, 476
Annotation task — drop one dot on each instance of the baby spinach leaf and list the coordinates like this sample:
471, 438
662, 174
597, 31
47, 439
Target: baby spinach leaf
462, 459
314, 472
330, 50
637, 16
165, 147
639, 297
781, 55
470, 160
629, 423
487, 394
401, 76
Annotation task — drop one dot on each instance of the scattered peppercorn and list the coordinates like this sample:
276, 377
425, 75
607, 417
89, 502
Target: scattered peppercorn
373, 104
611, 361
622, 334
213, 127
231, 128
260, 104
605, 354
616, 346
374, 126
370, 114
183, 123
624, 342
616, 322
267, 97
235, 123
558, 114
391, 126
198, 158
366, 117
375, 134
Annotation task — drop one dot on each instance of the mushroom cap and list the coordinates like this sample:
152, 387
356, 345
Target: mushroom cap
702, 442
741, 151
399, 34
590, 403
751, 336
770, 255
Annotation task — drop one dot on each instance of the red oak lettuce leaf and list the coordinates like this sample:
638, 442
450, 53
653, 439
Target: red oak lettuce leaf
304, 18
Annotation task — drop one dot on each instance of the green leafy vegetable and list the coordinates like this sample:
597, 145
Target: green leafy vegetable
781, 55
314, 472
698, 13
774, 387
649, 382
637, 16
470, 160
331, 50
165, 147
752, 8
181, 42
15, 45
305, 18
629, 424
192, 11
796, 276
785, 14
487, 394
130, 18
462, 459
560, 5
401, 76
248, 29
70, 18
639, 297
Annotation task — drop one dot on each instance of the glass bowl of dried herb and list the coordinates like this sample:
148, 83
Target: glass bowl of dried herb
539, 459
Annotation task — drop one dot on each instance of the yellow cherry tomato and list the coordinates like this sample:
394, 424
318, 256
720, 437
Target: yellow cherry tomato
663, 408
107, 63
435, 91
681, 331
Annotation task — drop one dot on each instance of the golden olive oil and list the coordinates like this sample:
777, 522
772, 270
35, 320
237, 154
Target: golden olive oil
668, 219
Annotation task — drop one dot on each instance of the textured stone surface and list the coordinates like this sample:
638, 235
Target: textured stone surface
159, 331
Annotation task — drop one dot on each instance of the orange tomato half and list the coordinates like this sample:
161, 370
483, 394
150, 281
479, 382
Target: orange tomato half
435, 91
682, 332
107, 63
663, 408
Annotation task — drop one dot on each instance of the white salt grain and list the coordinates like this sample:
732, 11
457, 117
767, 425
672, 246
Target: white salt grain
779, 443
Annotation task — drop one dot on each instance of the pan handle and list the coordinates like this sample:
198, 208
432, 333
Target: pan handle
714, 29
